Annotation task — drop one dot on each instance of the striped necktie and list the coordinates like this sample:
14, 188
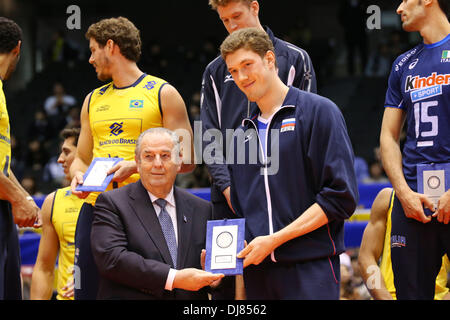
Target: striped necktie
168, 230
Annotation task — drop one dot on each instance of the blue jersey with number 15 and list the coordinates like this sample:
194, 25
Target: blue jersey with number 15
419, 84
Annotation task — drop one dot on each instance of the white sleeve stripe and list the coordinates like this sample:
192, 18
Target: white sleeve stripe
291, 76
218, 102
309, 72
306, 66
294, 48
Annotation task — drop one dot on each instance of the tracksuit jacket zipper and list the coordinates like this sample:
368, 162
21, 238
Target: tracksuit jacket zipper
266, 176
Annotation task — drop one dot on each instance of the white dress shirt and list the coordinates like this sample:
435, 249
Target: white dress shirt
172, 211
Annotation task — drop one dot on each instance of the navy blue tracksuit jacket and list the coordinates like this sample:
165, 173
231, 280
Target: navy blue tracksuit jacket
224, 106
315, 164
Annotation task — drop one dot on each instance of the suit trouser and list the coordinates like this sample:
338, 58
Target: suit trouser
86, 272
310, 280
10, 284
416, 252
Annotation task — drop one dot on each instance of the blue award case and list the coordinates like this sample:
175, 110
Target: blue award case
240, 245
107, 180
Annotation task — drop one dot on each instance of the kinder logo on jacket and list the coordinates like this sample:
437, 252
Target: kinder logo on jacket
417, 82
421, 88
288, 125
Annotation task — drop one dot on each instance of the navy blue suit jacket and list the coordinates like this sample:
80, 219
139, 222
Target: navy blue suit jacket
129, 247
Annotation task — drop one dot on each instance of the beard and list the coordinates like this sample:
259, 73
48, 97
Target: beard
101, 74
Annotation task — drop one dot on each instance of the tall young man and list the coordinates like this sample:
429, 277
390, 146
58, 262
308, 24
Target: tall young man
112, 118
16, 205
59, 218
418, 93
224, 106
302, 187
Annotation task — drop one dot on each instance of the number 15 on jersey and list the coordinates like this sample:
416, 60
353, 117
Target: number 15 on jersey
427, 125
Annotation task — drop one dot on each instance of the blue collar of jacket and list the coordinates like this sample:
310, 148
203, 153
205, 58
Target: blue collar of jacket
289, 102
271, 35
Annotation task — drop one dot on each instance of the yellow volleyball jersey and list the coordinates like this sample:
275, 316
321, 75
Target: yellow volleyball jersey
441, 280
64, 216
119, 115
386, 263
5, 139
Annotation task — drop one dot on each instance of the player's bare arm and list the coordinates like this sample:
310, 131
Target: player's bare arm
83, 156
38, 220
25, 211
43, 273
391, 157
175, 118
372, 244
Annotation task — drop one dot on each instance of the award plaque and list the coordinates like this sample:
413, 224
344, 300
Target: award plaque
224, 240
96, 177
433, 180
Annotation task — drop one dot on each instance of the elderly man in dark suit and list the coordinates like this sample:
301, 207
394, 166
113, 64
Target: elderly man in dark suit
147, 237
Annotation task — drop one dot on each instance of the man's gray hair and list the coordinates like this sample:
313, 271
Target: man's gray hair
158, 130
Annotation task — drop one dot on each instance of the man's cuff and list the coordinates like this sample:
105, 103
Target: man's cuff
170, 278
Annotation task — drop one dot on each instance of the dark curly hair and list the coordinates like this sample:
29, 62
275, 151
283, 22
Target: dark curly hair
122, 31
10, 35
71, 132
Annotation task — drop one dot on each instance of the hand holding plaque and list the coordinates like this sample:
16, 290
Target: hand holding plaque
96, 177
224, 240
433, 180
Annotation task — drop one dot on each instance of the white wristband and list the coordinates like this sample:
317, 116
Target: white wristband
29, 198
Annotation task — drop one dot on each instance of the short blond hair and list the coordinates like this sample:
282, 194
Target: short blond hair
252, 39
222, 3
